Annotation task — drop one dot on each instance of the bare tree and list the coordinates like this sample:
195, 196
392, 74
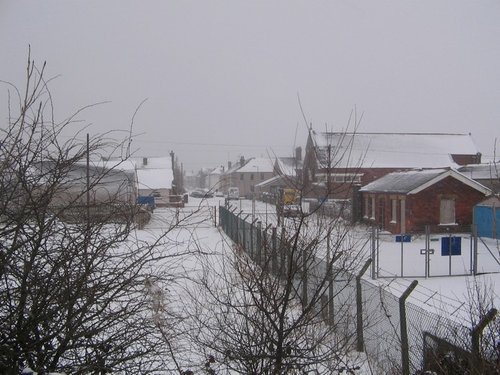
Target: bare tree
74, 280
266, 305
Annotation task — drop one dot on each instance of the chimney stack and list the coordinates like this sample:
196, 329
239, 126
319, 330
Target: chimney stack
298, 154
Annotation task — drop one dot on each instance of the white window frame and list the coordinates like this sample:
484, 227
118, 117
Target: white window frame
367, 207
340, 178
394, 210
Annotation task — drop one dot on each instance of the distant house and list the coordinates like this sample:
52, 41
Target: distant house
190, 180
334, 162
214, 179
106, 182
287, 172
246, 174
154, 178
487, 174
404, 202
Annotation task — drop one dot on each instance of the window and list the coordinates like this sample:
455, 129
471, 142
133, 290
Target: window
373, 208
367, 207
394, 210
447, 211
242, 176
251, 176
262, 175
341, 178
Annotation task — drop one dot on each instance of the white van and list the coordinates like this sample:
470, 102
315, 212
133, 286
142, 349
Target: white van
233, 193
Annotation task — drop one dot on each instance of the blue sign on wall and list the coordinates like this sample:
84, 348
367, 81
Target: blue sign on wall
453, 244
403, 238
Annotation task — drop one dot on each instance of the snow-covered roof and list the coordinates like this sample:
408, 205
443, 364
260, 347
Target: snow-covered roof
164, 162
484, 171
413, 182
217, 170
392, 150
270, 181
111, 163
289, 165
234, 167
493, 201
257, 165
160, 178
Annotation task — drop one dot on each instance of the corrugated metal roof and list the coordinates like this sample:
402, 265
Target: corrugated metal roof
412, 182
402, 182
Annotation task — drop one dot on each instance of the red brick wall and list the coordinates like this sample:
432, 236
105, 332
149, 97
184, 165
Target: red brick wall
424, 208
464, 159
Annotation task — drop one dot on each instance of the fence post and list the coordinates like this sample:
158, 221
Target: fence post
405, 348
234, 223
374, 258
274, 256
237, 234
264, 256
251, 249
259, 242
243, 224
304, 277
252, 240
359, 308
474, 234
329, 264
283, 251
476, 333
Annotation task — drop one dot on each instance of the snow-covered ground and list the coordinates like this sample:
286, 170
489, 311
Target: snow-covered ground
439, 289
197, 237
199, 234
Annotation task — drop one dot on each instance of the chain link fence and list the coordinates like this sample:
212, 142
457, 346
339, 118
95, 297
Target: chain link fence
399, 336
427, 254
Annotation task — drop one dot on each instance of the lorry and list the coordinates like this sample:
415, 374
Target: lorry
233, 193
289, 202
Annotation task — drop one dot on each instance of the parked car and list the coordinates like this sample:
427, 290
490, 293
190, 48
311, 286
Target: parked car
200, 193
291, 210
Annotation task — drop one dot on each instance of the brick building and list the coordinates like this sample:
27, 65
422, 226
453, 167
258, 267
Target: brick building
334, 162
405, 202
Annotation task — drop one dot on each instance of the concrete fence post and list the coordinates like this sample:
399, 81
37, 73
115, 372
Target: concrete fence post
374, 254
476, 334
283, 251
405, 348
258, 254
360, 344
329, 264
274, 252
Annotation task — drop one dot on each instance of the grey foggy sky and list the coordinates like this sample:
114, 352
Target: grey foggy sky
222, 77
